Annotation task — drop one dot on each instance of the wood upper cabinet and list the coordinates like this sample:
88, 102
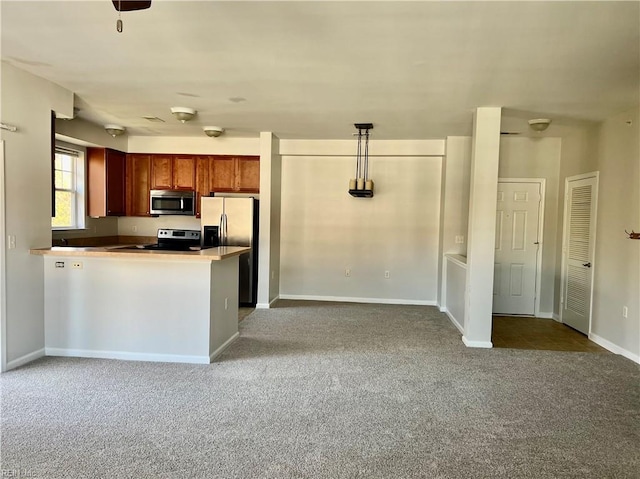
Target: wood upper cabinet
184, 172
202, 181
235, 174
222, 172
106, 182
138, 184
248, 174
161, 172
173, 172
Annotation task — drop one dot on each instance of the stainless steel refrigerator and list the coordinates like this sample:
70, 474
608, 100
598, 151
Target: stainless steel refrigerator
230, 221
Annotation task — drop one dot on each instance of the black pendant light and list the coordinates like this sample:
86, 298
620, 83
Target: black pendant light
362, 186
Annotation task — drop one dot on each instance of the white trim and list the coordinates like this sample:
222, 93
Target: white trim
543, 194
614, 348
267, 305
477, 344
343, 299
226, 344
545, 315
563, 262
27, 358
3, 265
127, 356
556, 317
453, 320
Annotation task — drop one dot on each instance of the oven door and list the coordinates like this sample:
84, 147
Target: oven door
167, 202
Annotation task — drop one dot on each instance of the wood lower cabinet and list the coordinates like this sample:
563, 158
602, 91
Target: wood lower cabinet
138, 183
239, 174
106, 182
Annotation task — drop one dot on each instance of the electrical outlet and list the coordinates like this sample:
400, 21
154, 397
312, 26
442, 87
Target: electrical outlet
76, 265
387, 274
625, 312
59, 264
347, 272
459, 239
134, 228
11, 240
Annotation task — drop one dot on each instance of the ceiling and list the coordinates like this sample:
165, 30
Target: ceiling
416, 70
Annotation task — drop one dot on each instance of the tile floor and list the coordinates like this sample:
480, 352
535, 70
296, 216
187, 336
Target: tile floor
537, 333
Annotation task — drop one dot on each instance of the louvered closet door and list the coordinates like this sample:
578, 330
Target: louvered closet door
580, 211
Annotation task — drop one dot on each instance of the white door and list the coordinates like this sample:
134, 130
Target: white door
578, 248
517, 245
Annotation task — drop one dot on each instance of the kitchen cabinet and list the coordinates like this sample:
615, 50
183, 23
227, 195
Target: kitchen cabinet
238, 174
173, 172
202, 181
248, 174
106, 182
138, 181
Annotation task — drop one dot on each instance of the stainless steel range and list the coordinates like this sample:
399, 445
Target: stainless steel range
175, 240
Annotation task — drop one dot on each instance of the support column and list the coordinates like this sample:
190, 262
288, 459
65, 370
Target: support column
269, 235
485, 151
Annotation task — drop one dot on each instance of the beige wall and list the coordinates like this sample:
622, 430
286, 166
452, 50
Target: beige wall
324, 230
538, 158
617, 258
27, 102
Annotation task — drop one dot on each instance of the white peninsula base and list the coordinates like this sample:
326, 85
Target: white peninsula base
140, 308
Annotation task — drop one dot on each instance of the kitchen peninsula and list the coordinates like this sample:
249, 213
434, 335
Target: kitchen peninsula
111, 302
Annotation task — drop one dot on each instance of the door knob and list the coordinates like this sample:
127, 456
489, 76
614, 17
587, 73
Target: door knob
587, 265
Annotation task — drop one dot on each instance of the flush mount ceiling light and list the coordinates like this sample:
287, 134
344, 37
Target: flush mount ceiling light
114, 130
183, 113
539, 124
213, 131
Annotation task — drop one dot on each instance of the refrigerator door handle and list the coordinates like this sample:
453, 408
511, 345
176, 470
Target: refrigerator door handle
224, 222
221, 231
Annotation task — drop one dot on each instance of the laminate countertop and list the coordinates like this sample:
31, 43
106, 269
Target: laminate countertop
211, 254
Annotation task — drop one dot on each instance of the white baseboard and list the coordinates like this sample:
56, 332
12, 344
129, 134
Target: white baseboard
556, 317
476, 344
442, 309
268, 305
226, 344
27, 358
544, 315
614, 348
127, 356
343, 299
453, 320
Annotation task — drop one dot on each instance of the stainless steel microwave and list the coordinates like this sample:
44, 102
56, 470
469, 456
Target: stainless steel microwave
172, 202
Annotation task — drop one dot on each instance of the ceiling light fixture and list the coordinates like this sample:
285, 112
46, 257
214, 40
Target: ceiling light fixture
213, 131
539, 124
361, 186
183, 113
114, 130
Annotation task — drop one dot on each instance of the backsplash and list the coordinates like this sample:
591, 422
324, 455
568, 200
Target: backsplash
140, 226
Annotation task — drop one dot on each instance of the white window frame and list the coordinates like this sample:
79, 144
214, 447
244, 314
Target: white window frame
78, 188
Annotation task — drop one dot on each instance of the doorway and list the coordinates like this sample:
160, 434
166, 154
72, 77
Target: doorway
518, 254
578, 246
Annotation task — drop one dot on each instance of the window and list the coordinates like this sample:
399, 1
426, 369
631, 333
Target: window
69, 189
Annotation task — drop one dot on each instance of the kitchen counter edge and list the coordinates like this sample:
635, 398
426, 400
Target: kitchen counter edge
211, 254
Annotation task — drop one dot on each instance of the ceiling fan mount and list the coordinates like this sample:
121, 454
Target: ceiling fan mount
130, 5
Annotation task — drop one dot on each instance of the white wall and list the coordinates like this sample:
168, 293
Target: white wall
204, 145
617, 258
324, 230
538, 158
27, 102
